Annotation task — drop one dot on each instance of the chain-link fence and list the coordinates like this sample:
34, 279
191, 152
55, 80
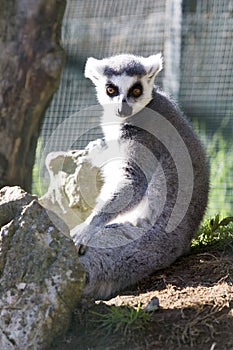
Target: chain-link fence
195, 38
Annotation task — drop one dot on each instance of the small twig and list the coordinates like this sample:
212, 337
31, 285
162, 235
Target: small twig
10, 308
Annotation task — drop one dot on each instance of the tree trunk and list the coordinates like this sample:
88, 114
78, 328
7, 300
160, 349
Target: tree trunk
31, 61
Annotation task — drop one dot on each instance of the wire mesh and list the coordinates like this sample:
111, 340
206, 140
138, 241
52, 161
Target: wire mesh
196, 40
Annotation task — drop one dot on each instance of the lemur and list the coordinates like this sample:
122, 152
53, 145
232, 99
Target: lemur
156, 178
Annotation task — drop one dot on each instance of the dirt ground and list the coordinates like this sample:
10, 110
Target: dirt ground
196, 310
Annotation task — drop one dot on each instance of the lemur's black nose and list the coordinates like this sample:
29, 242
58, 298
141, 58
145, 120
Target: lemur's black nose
125, 110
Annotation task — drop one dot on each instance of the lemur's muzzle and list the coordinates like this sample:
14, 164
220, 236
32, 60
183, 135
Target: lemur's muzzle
124, 110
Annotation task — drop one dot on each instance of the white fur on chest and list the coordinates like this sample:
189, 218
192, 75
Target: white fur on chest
112, 160
112, 131
114, 175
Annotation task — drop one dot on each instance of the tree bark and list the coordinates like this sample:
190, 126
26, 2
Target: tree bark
31, 61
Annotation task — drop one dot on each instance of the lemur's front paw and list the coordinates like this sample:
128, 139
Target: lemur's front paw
82, 235
81, 249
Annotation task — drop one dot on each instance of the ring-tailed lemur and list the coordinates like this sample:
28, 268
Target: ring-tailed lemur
156, 178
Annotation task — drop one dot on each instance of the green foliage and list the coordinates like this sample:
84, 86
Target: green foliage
36, 189
122, 319
219, 150
212, 232
37, 186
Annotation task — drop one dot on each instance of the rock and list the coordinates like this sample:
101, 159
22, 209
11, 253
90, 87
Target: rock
152, 305
41, 279
12, 199
74, 185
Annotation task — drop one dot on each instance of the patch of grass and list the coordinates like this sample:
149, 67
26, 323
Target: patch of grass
40, 182
214, 231
219, 150
36, 186
123, 319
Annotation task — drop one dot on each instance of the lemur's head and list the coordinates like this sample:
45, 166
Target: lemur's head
125, 81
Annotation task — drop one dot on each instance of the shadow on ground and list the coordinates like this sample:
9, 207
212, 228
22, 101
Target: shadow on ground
196, 311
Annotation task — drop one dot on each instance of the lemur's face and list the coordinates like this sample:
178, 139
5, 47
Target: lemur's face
128, 95
124, 83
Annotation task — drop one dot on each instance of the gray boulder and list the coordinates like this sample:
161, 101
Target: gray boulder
74, 185
41, 279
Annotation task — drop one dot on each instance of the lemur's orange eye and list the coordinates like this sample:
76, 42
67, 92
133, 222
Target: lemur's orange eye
136, 92
111, 90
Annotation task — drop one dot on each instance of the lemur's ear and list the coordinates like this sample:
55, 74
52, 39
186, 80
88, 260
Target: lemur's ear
94, 69
153, 65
